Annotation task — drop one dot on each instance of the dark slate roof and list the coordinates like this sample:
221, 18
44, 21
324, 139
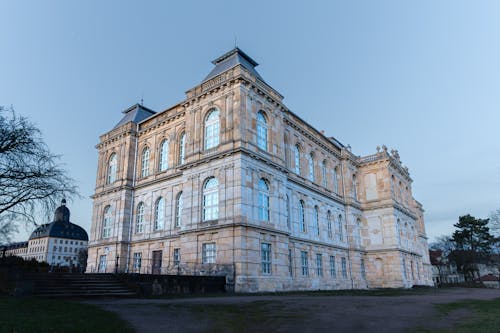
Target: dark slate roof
231, 59
17, 245
136, 113
61, 227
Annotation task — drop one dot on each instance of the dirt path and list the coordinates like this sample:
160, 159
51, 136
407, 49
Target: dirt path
293, 313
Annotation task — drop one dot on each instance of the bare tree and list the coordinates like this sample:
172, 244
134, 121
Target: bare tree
32, 181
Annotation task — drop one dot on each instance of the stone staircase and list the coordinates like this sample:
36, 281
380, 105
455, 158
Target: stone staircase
79, 285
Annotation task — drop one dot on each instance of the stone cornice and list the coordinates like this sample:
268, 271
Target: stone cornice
313, 138
159, 120
317, 243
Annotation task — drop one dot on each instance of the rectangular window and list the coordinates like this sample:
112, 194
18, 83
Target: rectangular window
265, 250
333, 270
137, 263
404, 269
344, 268
102, 263
290, 262
319, 264
363, 271
208, 253
305, 263
177, 256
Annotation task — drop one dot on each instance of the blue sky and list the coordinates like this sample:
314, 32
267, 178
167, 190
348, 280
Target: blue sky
422, 77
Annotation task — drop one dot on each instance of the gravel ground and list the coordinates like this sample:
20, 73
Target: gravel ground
294, 313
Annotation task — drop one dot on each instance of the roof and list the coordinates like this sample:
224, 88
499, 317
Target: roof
61, 227
435, 256
231, 59
489, 277
136, 113
16, 245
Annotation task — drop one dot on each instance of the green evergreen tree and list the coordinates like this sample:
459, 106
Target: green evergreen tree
472, 239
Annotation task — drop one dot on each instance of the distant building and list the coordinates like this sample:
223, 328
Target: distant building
230, 181
443, 271
57, 243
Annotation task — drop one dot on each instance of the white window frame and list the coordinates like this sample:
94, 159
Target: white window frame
316, 219
137, 262
209, 253
212, 129
319, 264
182, 148
159, 221
266, 258
336, 180
296, 153
210, 199
344, 268
178, 209
329, 224
112, 167
263, 200
302, 216
304, 262
107, 222
177, 256
310, 165
163, 162
333, 268
262, 130
139, 219
145, 162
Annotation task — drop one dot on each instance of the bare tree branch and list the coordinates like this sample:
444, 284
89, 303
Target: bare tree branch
32, 180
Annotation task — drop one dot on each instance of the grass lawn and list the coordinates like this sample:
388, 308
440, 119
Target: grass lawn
257, 316
46, 315
484, 316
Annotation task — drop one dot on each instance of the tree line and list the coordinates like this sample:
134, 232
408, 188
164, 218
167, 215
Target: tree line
474, 241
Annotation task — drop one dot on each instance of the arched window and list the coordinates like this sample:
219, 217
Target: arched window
163, 164
107, 222
211, 200
112, 168
329, 224
145, 162
336, 180
182, 148
323, 173
261, 131
296, 153
263, 200
212, 129
354, 187
139, 219
341, 228
178, 210
159, 214
358, 232
310, 162
316, 219
302, 216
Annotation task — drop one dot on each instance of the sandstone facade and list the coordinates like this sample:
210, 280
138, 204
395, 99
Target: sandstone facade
230, 181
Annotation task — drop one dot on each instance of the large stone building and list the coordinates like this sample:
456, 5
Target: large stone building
230, 181
57, 243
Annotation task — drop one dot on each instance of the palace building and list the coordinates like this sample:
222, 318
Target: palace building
57, 243
231, 182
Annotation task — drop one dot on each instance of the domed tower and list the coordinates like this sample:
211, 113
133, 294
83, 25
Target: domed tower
62, 212
59, 242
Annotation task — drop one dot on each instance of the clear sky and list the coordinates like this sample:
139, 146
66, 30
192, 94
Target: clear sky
419, 76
